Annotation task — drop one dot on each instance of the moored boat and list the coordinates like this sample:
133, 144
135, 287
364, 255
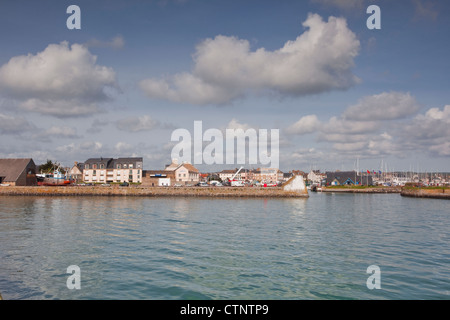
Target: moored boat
53, 179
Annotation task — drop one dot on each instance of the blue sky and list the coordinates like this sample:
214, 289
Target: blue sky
138, 70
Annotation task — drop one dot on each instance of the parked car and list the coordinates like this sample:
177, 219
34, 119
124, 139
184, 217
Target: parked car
124, 184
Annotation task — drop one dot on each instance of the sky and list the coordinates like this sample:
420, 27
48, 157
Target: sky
342, 96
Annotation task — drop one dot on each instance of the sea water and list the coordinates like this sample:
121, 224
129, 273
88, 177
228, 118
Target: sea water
222, 248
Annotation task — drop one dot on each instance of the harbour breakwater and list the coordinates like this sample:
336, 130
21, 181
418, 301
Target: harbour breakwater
438, 193
363, 190
256, 192
434, 193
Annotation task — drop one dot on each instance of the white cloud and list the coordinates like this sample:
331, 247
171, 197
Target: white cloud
442, 149
383, 106
123, 147
225, 68
57, 132
59, 108
14, 125
306, 124
235, 124
339, 125
343, 4
136, 124
116, 43
387, 130
81, 150
61, 81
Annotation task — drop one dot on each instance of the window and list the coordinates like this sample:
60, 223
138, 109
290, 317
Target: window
86, 166
95, 172
102, 166
130, 178
118, 166
130, 166
124, 166
131, 172
94, 166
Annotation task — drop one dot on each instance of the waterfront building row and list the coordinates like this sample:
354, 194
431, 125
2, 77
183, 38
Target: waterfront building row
22, 172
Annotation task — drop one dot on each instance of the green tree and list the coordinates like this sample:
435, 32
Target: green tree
50, 166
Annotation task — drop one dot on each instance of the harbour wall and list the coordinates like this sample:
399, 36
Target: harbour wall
363, 190
440, 193
257, 192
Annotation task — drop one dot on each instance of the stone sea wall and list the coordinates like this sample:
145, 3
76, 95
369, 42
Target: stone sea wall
274, 192
427, 193
363, 190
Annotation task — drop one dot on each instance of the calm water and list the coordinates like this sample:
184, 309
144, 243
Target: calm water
183, 248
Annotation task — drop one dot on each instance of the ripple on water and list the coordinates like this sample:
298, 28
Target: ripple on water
162, 248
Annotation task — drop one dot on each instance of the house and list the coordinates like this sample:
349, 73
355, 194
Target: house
287, 176
315, 177
184, 173
108, 170
18, 172
341, 178
227, 174
76, 172
268, 175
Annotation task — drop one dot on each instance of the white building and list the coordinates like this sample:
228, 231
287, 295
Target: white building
185, 172
109, 170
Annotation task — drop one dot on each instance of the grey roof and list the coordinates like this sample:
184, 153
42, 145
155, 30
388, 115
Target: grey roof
97, 160
110, 163
343, 176
11, 169
137, 159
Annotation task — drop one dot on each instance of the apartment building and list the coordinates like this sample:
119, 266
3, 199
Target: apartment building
109, 170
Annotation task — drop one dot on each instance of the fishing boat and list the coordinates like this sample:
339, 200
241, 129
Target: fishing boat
53, 179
